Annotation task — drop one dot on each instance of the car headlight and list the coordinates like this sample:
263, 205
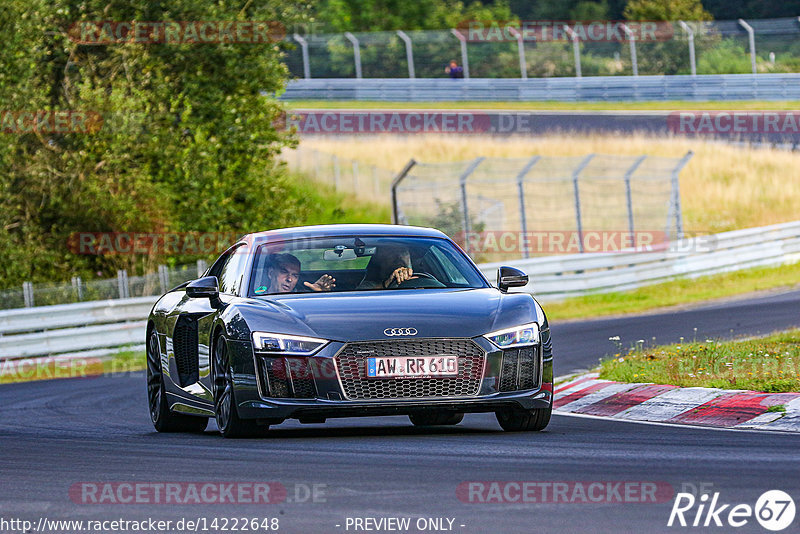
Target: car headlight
286, 344
518, 336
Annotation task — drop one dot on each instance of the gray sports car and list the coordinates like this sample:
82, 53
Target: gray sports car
343, 321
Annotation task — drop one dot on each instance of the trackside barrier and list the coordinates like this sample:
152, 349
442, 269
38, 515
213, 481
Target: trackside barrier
103, 327
100, 327
782, 86
558, 277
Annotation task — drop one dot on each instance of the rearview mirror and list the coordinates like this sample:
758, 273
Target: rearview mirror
510, 277
206, 287
339, 254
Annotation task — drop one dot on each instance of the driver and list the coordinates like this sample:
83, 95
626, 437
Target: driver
394, 265
284, 272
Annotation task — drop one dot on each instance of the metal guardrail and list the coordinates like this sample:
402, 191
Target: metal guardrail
558, 277
102, 327
594, 88
74, 315
69, 329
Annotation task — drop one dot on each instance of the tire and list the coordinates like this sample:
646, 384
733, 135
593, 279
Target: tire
519, 420
436, 418
228, 421
163, 419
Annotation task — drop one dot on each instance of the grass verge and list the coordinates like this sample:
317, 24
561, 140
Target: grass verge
48, 368
676, 293
670, 105
770, 364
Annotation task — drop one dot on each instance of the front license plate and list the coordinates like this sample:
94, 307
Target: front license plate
412, 366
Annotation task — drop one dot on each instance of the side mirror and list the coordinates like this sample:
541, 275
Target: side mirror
206, 287
510, 277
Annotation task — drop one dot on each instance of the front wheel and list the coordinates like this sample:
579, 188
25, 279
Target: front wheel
163, 419
436, 418
519, 420
228, 420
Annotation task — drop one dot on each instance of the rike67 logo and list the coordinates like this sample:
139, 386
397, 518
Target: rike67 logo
774, 510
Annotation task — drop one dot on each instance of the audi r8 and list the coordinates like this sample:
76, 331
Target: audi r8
319, 322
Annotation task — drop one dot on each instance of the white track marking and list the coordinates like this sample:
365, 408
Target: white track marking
596, 396
669, 404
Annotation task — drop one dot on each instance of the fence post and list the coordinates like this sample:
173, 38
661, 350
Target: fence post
202, 266
304, 50
628, 196
521, 191
27, 294
397, 179
462, 180
523, 68
576, 49
632, 41
409, 52
690, 37
356, 52
375, 181
77, 285
676, 193
336, 172
575, 174
122, 284
316, 163
163, 278
752, 37
464, 56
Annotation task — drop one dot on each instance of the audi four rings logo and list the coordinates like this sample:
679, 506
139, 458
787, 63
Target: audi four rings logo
400, 332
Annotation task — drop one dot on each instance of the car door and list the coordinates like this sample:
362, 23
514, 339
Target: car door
192, 319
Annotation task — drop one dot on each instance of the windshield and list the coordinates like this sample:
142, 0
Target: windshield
360, 263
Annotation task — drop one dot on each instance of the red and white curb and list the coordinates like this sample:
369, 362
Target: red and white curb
588, 395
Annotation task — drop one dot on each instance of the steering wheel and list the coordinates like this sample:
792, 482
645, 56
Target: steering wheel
420, 274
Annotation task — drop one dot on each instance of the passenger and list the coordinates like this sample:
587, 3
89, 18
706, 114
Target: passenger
284, 272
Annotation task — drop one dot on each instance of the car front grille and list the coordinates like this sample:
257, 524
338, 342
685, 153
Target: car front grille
351, 363
520, 369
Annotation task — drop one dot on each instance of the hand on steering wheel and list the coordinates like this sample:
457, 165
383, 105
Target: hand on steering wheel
403, 274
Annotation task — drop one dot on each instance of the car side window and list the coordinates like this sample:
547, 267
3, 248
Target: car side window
452, 272
216, 269
232, 271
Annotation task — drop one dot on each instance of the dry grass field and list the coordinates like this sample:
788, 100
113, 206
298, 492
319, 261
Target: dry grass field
724, 187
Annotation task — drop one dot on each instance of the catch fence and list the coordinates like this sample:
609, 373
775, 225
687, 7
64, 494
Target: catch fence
512, 208
536, 49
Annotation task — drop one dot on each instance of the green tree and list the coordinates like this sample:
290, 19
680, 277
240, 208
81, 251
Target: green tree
670, 10
385, 15
187, 141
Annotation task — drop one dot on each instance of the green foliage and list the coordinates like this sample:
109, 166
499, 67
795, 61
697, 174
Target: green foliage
669, 57
729, 57
384, 15
587, 10
187, 143
666, 10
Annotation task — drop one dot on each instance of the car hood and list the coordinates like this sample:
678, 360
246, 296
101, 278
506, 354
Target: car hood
355, 316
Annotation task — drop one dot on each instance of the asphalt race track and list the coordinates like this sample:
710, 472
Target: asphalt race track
56, 435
